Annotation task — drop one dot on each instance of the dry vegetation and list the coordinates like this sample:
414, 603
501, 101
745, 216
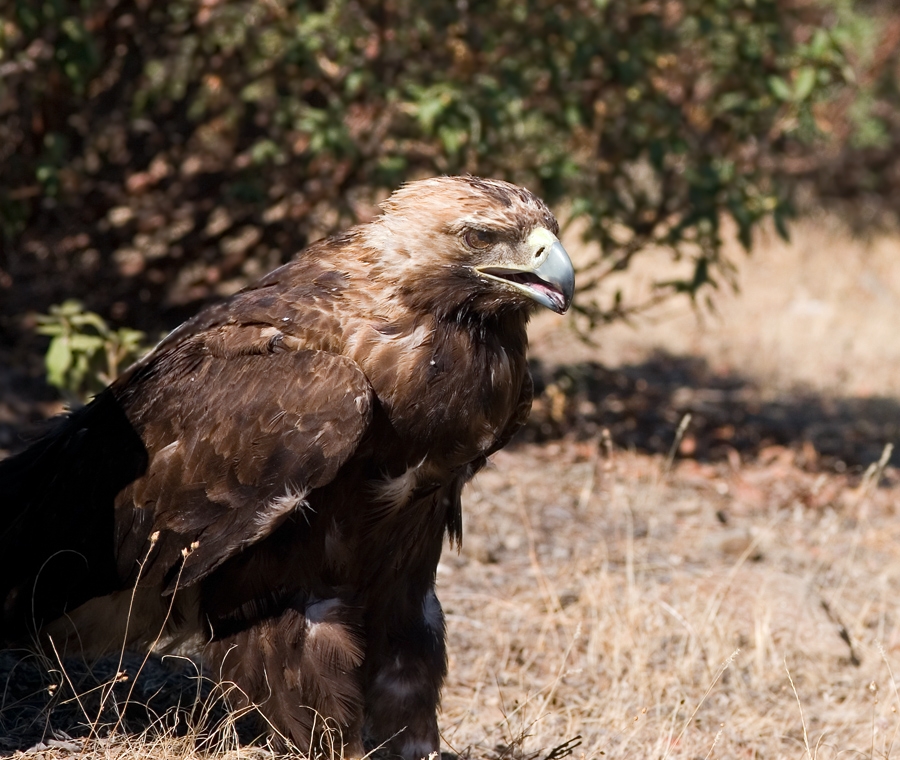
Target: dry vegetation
661, 613
609, 601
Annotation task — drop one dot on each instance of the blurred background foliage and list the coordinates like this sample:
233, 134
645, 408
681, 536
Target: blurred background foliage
156, 155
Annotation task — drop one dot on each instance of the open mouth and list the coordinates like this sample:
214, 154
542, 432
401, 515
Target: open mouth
535, 287
548, 279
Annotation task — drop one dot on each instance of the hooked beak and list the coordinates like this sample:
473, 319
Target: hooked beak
550, 280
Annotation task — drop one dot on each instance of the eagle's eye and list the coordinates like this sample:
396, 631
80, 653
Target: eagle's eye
478, 240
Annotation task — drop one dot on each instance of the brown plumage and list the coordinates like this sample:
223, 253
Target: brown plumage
273, 483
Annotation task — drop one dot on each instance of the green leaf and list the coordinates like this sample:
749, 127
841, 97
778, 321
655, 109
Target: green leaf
130, 338
804, 82
85, 344
732, 100
779, 88
49, 328
58, 360
429, 110
266, 150
90, 319
821, 43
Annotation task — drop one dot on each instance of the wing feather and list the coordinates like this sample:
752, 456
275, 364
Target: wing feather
235, 443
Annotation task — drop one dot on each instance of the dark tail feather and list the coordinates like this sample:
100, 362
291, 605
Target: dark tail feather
57, 515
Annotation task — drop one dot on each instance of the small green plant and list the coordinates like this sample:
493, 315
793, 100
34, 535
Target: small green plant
85, 353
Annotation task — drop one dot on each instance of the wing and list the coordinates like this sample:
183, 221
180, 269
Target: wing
235, 441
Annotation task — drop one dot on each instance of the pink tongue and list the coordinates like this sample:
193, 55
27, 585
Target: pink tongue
552, 294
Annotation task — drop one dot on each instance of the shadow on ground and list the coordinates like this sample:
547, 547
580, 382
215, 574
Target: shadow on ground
46, 705
81, 708
642, 406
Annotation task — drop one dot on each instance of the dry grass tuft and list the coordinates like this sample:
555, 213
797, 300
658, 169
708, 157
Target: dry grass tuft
117, 706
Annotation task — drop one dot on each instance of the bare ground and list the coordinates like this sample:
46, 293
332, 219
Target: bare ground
728, 592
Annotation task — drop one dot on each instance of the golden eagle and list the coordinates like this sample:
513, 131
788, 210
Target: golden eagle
273, 482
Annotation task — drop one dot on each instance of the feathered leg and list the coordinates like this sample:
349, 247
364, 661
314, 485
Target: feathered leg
300, 669
405, 667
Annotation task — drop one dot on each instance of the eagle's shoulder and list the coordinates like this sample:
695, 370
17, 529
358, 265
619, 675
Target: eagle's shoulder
304, 299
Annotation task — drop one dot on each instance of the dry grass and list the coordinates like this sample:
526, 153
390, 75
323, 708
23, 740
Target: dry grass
667, 615
661, 609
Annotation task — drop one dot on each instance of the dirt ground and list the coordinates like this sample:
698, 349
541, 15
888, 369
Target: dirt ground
634, 581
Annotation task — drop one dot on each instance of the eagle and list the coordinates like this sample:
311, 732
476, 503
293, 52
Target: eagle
273, 484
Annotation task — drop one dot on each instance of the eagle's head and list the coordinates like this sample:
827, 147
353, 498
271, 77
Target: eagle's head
483, 246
